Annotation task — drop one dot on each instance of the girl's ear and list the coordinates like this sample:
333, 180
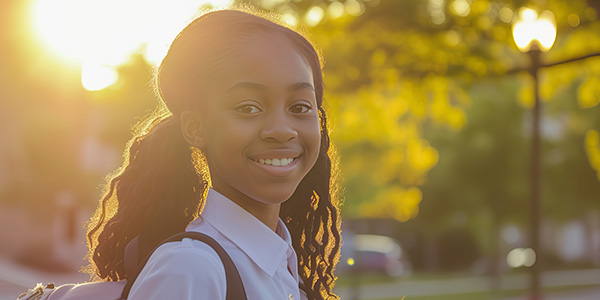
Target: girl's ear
191, 128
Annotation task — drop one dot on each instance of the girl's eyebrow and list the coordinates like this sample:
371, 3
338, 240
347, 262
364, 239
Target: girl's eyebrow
301, 85
259, 87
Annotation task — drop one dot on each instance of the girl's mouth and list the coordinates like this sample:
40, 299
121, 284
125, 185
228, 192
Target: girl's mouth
275, 161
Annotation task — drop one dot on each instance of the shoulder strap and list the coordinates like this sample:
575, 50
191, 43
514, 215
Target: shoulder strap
235, 287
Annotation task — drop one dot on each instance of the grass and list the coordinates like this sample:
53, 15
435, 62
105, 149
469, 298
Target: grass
371, 278
348, 280
488, 295
376, 278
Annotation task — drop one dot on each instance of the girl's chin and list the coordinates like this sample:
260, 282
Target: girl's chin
276, 198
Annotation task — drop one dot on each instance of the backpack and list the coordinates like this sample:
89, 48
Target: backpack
119, 290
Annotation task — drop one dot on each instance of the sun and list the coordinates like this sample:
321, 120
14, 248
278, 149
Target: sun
101, 35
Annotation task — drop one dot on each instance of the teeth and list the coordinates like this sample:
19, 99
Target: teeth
276, 161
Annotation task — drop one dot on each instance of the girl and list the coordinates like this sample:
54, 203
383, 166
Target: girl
244, 140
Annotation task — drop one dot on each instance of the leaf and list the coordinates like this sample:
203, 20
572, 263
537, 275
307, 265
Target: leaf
588, 94
592, 149
526, 93
394, 202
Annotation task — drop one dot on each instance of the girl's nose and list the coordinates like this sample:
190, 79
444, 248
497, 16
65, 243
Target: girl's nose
278, 127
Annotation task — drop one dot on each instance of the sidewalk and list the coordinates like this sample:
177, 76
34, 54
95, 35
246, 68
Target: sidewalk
15, 278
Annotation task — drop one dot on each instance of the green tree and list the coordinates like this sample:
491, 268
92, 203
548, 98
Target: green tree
395, 68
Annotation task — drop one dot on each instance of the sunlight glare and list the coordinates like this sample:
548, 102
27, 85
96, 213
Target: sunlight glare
95, 77
110, 31
57, 31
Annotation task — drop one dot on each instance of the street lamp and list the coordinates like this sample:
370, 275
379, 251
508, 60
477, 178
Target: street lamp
531, 31
534, 34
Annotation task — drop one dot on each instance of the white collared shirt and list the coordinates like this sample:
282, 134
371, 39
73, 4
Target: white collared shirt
192, 270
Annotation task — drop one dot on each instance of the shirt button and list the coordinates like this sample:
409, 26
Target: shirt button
291, 297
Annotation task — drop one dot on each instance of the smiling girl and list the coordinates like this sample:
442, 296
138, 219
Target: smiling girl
243, 140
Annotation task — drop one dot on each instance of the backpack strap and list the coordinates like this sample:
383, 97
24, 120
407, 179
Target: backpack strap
130, 257
235, 287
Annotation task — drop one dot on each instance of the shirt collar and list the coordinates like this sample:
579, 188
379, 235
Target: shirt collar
263, 246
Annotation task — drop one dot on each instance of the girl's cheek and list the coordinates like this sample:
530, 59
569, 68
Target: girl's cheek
316, 139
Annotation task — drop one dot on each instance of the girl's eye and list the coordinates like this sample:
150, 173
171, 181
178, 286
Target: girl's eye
300, 108
248, 109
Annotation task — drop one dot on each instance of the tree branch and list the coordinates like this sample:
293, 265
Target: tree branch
525, 69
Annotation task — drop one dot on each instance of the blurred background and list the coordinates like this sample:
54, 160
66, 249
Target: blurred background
468, 134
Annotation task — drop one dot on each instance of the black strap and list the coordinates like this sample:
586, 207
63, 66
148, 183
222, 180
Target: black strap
235, 287
130, 257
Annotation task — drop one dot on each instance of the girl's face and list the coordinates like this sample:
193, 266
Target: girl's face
260, 127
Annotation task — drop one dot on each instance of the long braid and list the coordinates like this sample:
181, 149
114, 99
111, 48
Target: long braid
312, 217
158, 192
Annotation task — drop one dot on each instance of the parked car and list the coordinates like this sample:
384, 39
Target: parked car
373, 253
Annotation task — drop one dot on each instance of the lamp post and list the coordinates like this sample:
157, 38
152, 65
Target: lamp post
533, 35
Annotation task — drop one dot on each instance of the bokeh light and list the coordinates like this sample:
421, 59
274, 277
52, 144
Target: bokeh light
350, 261
506, 15
521, 257
461, 7
335, 10
314, 16
354, 8
290, 18
573, 20
436, 8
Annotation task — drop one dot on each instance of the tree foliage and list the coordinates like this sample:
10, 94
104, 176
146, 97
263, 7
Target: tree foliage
399, 70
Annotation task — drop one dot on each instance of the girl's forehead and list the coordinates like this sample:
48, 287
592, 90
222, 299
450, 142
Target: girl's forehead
264, 58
